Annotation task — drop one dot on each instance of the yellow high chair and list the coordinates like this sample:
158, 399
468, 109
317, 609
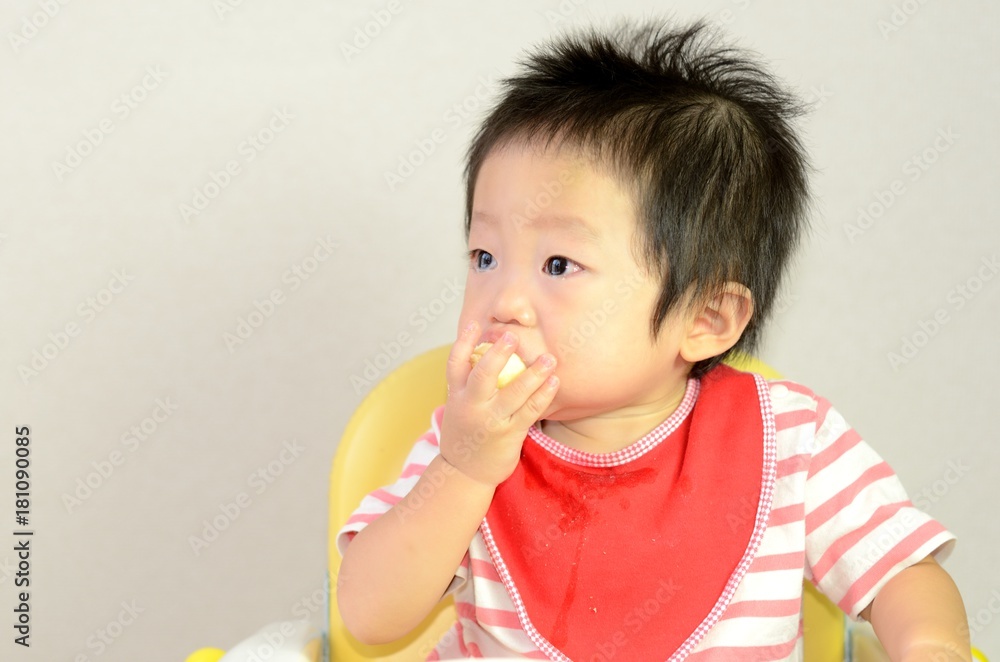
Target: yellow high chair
371, 454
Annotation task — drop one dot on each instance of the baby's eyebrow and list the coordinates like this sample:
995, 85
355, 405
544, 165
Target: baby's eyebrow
557, 222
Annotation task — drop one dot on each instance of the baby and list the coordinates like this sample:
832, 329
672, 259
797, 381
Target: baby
632, 202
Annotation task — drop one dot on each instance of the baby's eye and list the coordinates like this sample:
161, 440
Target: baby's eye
481, 260
558, 265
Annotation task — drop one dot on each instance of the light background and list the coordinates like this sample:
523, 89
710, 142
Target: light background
882, 97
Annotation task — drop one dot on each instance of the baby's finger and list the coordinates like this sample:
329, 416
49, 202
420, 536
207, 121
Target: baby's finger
533, 410
513, 396
483, 380
458, 366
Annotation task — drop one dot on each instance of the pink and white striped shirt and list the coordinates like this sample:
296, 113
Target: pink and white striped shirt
837, 516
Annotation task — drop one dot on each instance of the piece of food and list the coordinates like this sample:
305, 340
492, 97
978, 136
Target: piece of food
515, 366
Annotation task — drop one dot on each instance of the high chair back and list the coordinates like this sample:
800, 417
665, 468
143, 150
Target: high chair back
371, 453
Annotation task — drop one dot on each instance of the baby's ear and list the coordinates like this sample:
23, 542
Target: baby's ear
716, 324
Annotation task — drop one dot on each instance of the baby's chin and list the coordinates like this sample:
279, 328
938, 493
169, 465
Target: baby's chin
571, 404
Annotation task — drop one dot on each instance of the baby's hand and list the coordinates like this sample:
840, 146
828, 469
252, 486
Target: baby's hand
483, 426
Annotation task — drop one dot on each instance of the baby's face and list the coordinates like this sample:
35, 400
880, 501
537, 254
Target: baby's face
551, 258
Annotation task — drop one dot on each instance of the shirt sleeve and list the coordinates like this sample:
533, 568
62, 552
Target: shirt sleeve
377, 503
861, 528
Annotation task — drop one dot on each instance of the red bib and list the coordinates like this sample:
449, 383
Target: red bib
635, 554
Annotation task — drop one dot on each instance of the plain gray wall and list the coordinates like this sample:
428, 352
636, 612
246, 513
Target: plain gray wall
888, 79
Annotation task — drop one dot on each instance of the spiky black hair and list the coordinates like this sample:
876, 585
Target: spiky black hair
701, 134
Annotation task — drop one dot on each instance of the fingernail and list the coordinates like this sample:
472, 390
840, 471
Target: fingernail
469, 328
508, 338
548, 361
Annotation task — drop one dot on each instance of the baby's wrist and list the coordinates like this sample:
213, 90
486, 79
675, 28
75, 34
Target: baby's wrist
470, 481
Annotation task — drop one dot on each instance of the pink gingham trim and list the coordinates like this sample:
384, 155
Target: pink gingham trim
536, 637
631, 452
768, 477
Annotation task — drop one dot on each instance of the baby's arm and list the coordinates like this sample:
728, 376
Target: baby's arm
397, 568
919, 615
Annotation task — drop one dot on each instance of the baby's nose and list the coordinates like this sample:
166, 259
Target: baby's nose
513, 304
